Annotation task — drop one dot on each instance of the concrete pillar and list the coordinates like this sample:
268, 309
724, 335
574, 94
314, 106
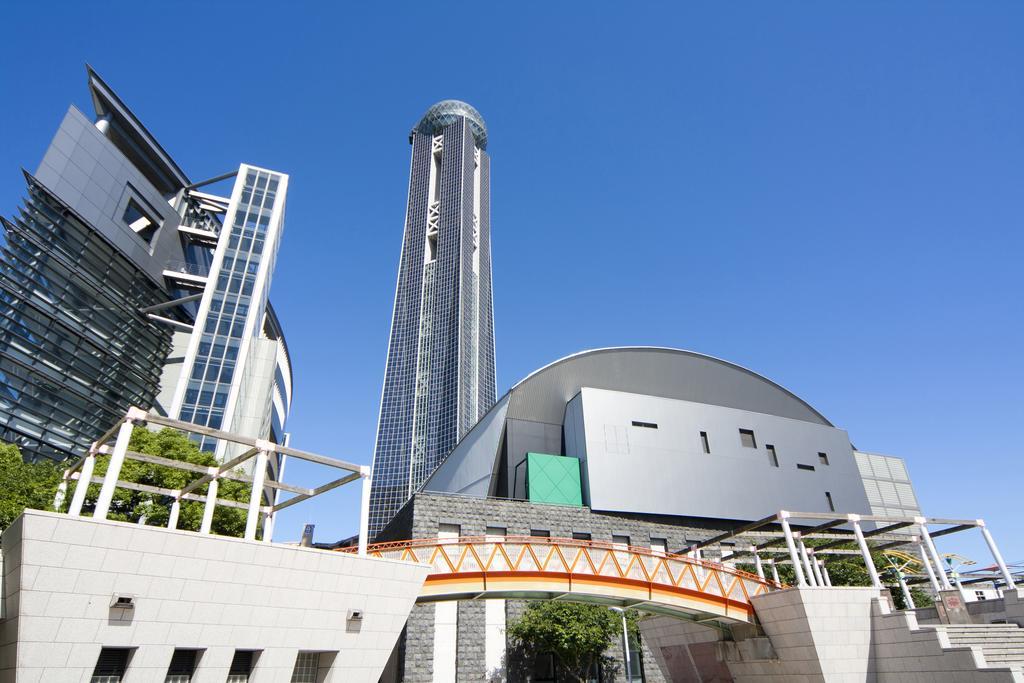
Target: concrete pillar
824, 573
364, 509
775, 573
816, 568
172, 517
259, 473
211, 503
806, 563
124, 435
907, 597
928, 567
268, 527
82, 486
801, 580
757, 563
940, 570
997, 556
869, 563
62, 492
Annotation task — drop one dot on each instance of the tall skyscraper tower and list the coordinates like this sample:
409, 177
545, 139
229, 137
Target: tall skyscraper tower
439, 378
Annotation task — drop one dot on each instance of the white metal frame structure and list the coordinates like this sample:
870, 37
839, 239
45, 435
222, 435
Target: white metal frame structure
260, 449
840, 530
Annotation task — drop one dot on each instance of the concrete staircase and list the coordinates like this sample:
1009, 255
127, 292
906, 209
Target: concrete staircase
1002, 645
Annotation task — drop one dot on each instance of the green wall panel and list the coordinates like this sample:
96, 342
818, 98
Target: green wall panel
553, 479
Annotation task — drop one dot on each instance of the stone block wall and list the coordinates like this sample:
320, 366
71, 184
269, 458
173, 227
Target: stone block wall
422, 516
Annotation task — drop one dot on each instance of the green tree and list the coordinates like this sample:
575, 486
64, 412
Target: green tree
24, 484
153, 509
577, 634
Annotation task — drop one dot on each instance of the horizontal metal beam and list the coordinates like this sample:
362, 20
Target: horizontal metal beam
218, 470
319, 459
170, 321
215, 179
317, 491
173, 302
171, 493
730, 534
205, 469
244, 440
951, 530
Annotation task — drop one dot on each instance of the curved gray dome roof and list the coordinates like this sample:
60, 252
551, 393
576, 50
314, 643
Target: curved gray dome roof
445, 112
655, 371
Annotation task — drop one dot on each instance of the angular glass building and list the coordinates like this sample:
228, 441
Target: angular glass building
123, 282
440, 377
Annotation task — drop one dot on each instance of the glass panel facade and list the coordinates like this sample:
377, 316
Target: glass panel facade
439, 378
75, 352
235, 306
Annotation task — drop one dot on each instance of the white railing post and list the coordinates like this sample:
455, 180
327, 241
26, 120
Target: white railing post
124, 435
62, 491
997, 556
801, 580
259, 473
775, 572
82, 485
211, 503
928, 567
816, 566
757, 562
927, 538
172, 517
869, 563
824, 573
907, 597
268, 526
805, 561
364, 509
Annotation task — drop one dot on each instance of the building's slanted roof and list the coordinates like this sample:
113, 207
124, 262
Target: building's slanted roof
134, 140
653, 371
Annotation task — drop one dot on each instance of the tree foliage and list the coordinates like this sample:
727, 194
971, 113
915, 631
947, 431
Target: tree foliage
152, 509
24, 484
577, 634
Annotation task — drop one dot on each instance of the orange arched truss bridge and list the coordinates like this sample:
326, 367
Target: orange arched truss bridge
529, 567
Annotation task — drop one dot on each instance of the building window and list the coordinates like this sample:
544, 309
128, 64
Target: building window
540, 533
620, 541
241, 666
659, 545
646, 425
544, 668
306, 667
809, 468
111, 665
140, 220
828, 499
773, 459
979, 595
581, 535
823, 458
704, 442
747, 438
183, 665
497, 532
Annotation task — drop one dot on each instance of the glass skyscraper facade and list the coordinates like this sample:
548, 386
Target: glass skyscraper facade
124, 283
74, 350
213, 391
440, 376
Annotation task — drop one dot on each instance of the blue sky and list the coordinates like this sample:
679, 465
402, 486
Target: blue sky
829, 194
